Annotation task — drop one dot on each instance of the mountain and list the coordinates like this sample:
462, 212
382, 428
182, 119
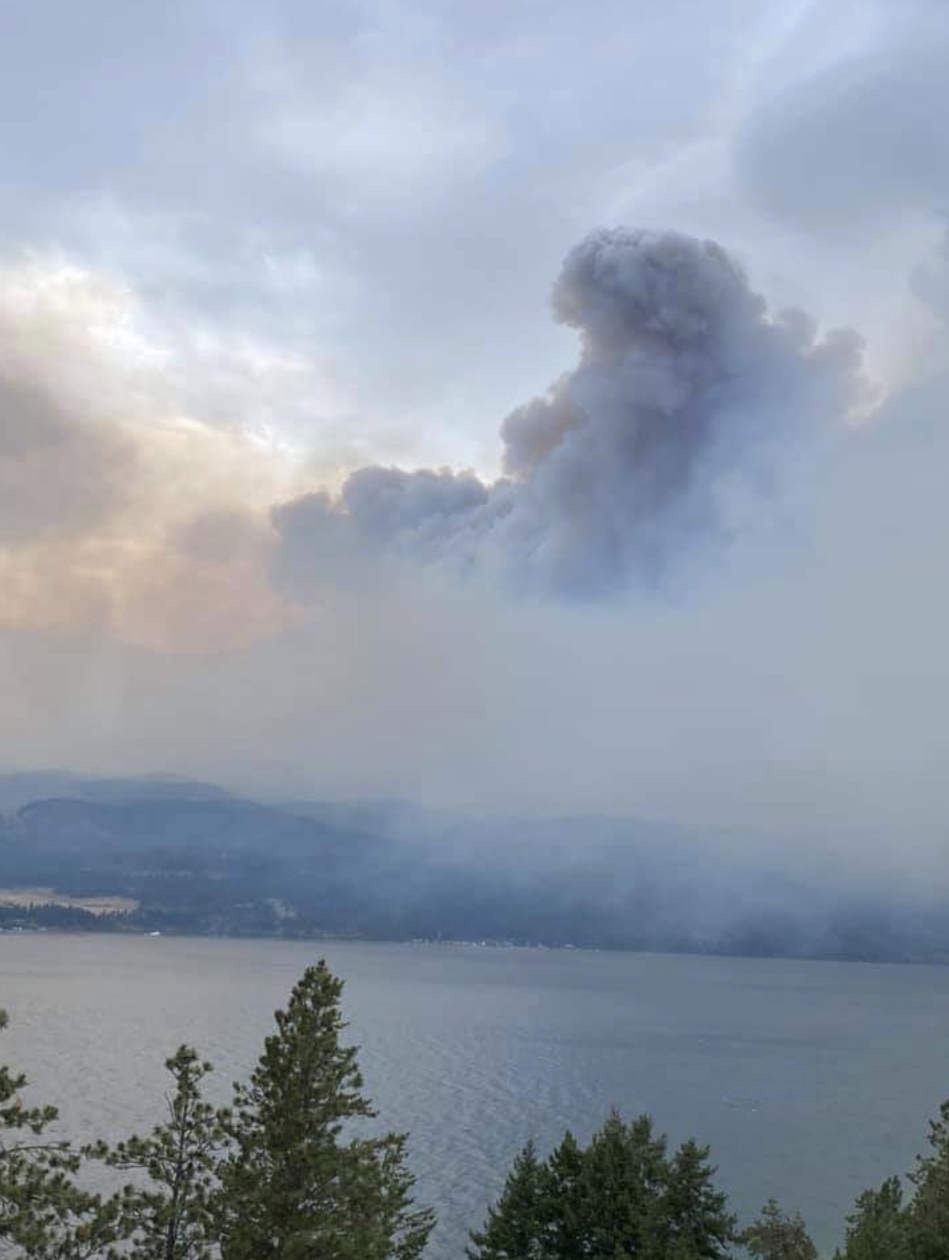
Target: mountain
18, 788
192, 857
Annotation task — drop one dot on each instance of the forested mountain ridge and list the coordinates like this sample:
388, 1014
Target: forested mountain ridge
192, 857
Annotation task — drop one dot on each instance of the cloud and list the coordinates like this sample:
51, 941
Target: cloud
55, 475
800, 692
857, 145
685, 386
210, 202
247, 359
794, 674
120, 510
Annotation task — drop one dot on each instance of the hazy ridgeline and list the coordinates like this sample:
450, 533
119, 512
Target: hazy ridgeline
194, 858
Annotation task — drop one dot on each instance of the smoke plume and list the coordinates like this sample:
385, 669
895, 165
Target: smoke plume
639, 457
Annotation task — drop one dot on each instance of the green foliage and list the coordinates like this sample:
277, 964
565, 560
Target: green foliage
278, 1178
878, 1227
515, 1224
286, 1175
695, 1221
170, 1215
929, 1213
776, 1235
563, 1210
621, 1196
43, 1213
295, 1186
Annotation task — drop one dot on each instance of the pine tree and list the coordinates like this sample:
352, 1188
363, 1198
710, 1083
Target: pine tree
929, 1212
620, 1198
695, 1223
624, 1179
297, 1186
513, 1228
878, 1227
170, 1217
775, 1235
564, 1219
44, 1215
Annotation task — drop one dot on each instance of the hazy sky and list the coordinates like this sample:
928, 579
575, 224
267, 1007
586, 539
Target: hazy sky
336, 455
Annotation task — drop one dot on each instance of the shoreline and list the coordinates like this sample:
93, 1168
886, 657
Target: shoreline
451, 943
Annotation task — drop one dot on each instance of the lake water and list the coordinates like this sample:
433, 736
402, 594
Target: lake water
810, 1081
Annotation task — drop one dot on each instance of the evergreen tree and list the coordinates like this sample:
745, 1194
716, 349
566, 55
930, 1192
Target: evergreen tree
565, 1213
43, 1213
513, 1228
296, 1185
878, 1228
620, 1198
624, 1181
929, 1212
169, 1216
694, 1220
776, 1235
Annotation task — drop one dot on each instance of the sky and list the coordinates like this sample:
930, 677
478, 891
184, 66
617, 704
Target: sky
509, 406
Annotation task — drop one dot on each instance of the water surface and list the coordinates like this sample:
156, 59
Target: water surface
810, 1081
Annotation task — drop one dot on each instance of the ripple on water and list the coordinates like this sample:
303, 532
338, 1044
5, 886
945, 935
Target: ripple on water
790, 1070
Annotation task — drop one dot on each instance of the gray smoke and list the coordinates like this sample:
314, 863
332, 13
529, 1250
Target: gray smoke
685, 389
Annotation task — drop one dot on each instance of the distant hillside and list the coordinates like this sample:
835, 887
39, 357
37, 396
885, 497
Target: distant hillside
201, 864
20, 788
197, 859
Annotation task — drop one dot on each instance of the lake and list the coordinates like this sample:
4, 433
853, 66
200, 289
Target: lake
811, 1081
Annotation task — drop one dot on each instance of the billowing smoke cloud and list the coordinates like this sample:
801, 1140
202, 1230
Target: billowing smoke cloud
641, 455
802, 683
140, 627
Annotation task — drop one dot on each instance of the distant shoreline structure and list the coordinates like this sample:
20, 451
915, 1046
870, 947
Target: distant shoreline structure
99, 928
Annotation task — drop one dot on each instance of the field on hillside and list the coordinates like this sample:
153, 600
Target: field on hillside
26, 897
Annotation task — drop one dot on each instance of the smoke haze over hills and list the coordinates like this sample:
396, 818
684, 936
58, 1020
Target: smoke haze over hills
301, 491
176, 856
